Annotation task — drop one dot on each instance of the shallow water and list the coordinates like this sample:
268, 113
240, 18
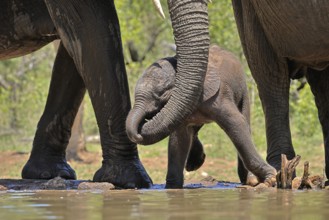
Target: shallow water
165, 204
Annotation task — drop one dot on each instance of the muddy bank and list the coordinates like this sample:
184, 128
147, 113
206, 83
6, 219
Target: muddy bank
62, 184
53, 184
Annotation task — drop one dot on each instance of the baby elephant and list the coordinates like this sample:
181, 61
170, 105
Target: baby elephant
224, 101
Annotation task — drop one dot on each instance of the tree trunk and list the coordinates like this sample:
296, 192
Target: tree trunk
77, 143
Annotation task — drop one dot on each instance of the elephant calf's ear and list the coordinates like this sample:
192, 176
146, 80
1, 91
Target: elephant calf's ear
211, 83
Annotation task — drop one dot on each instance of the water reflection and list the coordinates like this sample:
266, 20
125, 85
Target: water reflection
166, 204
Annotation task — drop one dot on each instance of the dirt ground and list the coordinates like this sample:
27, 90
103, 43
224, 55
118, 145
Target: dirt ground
11, 164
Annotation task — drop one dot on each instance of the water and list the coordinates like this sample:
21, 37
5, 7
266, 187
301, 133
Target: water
165, 204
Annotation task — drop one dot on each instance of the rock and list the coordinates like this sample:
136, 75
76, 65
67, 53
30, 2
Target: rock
261, 186
296, 182
95, 186
56, 183
209, 179
3, 188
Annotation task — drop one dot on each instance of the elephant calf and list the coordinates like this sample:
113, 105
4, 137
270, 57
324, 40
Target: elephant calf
224, 101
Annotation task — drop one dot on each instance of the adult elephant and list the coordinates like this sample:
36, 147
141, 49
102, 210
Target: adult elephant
283, 40
90, 58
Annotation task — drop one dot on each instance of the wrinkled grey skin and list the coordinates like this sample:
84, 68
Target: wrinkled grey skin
283, 40
190, 24
79, 66
224, 101
90, 58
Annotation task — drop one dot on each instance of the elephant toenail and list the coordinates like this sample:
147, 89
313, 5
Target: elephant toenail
64, 174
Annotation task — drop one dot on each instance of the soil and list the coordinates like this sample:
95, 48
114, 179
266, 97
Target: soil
11, 164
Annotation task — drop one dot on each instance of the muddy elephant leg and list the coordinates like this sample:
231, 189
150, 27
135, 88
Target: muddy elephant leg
196, 156
272, 78
66, 92
178, 148
319, 82
237, 128
91, 34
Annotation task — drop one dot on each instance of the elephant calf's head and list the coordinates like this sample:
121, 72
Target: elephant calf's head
152, 92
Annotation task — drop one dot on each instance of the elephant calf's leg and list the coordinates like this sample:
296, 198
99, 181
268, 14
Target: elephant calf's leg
236, 127
246, 177
196, 156
66, 92
179, 144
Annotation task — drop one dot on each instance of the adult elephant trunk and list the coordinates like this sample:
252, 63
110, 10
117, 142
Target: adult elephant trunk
135, 117
190, 24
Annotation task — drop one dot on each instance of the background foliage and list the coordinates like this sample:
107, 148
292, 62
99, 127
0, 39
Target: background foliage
146, 37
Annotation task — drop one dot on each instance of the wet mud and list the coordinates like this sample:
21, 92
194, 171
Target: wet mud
63, 184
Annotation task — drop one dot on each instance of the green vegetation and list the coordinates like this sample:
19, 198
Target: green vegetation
24, 86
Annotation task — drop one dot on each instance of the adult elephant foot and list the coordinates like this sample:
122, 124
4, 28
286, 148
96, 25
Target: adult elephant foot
123, 173
47, 168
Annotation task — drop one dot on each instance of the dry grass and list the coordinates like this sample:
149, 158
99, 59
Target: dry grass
154, 159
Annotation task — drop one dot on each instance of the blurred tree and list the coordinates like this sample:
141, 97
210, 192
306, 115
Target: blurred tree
22, 95
77, 143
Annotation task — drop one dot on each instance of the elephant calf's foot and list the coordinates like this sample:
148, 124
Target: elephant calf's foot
47, 168
173, 186
174, 181
266, 178
129, 174
194, 162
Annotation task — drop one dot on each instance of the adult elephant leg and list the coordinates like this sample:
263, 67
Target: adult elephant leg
319, 82
179, 145
47, 159
272, 78
91, 34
